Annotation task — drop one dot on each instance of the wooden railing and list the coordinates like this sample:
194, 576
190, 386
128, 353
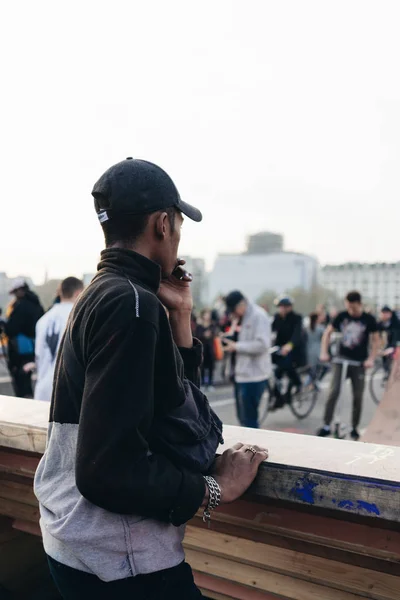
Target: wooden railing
321, 522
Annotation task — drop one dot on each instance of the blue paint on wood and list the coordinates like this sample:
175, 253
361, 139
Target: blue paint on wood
347, 504
304, 490
358, 506
371, 508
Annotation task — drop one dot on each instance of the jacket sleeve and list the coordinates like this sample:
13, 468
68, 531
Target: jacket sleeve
16, 321
192, 360
261, 341
114, 467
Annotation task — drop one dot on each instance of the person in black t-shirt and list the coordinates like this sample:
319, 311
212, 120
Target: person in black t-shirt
356, 327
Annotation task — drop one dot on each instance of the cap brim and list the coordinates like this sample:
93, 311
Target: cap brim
190, 211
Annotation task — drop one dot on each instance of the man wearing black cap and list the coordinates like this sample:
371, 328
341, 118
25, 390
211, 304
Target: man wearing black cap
130, 455
252, 359
287, 327
390, 325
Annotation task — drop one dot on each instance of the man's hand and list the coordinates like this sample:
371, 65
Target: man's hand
369, 363
324, 357
175, 291
229, 346
236, 470
286, 349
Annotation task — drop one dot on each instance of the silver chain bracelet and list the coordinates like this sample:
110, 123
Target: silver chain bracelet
214, 499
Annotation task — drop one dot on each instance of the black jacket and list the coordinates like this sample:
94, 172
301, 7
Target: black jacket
25, 314
133, 374
392, 330
290, 329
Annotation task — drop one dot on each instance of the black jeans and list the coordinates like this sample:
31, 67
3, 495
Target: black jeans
357, 378
21, 381
171, 584
286, 365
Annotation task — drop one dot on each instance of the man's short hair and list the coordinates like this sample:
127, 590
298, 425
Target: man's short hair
70, 286
127, 229
233, 299
354, 297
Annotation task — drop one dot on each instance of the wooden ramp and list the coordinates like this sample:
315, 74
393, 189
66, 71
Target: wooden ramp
385, 425
321, 521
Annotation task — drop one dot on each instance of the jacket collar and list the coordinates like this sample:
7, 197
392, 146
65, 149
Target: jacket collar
132, 265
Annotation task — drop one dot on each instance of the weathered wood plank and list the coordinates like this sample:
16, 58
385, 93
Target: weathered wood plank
372, 562
349, 578
18, 463
329, 532
27, 527
18, 492
23, 423
332, 491
263, 580
326, 455
212, 586
17, 510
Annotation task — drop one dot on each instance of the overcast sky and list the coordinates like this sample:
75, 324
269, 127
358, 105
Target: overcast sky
268, 115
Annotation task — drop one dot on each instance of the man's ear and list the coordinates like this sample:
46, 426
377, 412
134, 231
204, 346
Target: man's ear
160, 225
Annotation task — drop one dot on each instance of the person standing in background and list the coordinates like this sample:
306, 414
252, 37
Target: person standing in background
49, 331
20, 330
205, 332
356, 327
253, 362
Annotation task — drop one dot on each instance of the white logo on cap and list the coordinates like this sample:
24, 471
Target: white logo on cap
103, 216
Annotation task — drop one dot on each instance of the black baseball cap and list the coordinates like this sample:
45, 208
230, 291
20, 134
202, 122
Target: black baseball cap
284, 301
233, 299
137, 187
386, 308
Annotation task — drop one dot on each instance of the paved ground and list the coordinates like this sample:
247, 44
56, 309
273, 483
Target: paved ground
283, 420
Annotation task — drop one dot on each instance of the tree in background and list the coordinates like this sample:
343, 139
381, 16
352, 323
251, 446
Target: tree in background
305, 301
266, 300
47, 292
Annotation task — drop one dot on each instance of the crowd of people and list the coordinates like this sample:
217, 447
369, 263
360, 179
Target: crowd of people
249, 343
239, 338
31, 337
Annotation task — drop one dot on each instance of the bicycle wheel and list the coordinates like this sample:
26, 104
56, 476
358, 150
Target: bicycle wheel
302, 402
377, 383
266, 401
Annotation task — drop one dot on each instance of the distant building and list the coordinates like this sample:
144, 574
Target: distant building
255, 274
264, 243
197, 267
379, 283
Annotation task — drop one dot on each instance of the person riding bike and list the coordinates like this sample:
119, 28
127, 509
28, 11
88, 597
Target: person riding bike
390, 325
289, 336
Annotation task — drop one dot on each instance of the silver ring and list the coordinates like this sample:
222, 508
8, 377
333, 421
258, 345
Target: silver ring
251, 449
